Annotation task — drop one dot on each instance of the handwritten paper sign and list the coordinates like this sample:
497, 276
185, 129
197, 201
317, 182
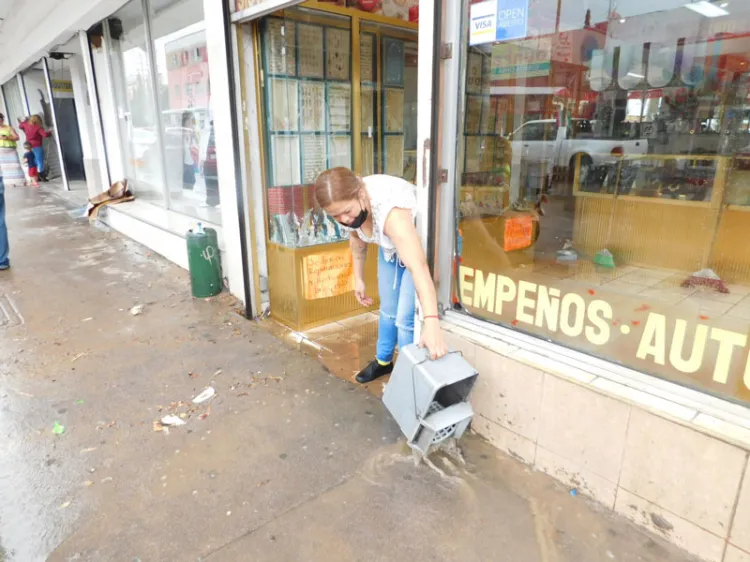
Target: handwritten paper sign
328, 274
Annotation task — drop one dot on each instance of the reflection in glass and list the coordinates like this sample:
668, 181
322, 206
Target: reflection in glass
185, 116
137, 116
607, 161
388, 85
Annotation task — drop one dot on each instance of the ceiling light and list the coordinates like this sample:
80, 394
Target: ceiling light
707, 9
634, 75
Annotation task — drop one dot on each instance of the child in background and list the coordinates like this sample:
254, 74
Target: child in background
29, 159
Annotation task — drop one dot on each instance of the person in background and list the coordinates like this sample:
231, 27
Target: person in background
35, 135
10, 166
189, 150
381, 210
29, 158
4, 249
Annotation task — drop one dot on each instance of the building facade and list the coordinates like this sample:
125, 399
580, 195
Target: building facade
582, 174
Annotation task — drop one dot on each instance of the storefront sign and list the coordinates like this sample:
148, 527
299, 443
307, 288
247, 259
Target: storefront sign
482, 22
524, 59
62, 86
328, 274
498, 20
240, 5
671, 344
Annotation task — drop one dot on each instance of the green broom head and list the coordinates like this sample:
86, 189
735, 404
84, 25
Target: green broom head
604, 258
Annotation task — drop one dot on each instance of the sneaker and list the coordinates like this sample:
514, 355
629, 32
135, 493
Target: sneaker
374, 371
4, 266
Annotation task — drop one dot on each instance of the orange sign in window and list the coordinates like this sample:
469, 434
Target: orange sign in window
519, 232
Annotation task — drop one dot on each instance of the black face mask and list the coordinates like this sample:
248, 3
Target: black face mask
359, 220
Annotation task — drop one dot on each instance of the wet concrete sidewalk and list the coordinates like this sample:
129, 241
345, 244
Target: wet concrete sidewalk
286, 463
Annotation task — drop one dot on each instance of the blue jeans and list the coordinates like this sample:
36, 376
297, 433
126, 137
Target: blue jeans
397, 304
4, 249
39, 155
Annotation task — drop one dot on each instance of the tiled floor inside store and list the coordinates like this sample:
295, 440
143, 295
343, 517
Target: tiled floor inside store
661, 288
344, 347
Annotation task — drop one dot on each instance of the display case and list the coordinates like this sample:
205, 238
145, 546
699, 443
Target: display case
330, 75
666, 211
308, 101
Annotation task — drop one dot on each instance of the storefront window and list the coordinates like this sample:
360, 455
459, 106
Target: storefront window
184, 97
388, 86
35, 85
604, 188
339, 89
136, 112
308, 100
14, 107
158, 63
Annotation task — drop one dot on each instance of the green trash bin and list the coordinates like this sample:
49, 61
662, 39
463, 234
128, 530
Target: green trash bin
204, 261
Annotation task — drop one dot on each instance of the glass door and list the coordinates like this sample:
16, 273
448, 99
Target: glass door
134, 99
66, 118
14, 106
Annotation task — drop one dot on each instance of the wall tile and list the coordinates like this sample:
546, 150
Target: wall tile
682, 471
511, 443
734, 554
730, 431
508, 393
573, 475
583, 426
460, 343
675, 529
740, 532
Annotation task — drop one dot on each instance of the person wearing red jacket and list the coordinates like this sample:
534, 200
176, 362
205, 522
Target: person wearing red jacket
35, 135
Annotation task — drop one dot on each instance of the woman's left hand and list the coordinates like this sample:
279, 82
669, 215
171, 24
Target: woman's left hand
432, 339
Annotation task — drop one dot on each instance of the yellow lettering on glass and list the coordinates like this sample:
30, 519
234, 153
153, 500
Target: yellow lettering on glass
654, 339
524, 302
464, 273
727, 342
693, 363
484, 292
599, 312
506, 292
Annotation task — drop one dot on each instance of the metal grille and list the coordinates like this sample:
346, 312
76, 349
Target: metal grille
445, 432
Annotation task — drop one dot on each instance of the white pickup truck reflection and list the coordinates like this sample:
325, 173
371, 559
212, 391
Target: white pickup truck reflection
542, 141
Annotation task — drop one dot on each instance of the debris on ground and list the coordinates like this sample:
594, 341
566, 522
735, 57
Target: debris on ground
88, 483
79, 402
65, 504
79, 356
193, 375
137, 310
171, 420
207, 394
58, 428
87, 450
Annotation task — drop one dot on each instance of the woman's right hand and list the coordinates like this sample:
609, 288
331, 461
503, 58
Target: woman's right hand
359, 293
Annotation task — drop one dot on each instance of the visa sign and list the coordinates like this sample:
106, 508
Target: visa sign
498, 20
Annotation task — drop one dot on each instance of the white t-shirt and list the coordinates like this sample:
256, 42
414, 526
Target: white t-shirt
387, 193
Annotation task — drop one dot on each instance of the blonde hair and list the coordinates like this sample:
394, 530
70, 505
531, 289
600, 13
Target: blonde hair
36, 120
336, 184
